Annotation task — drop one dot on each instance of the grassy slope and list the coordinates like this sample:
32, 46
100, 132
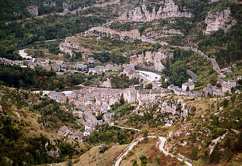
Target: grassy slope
93, 157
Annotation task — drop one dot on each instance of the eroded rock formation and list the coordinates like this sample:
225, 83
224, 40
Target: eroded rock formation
144, 13
219, 20
152, 60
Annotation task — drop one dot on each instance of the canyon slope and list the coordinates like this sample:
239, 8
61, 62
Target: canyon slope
121, 82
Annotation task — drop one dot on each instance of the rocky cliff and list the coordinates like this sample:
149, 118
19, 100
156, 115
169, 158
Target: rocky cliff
219, 20
163, 10
151, 60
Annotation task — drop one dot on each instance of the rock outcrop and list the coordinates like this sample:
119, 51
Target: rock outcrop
70, 45
143, 13
151, 60
170, 110
113, 34
219, 20
71, 134
33, 10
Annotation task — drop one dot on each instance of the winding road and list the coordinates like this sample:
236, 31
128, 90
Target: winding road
161, 142
129, 148
213, 61
179, 157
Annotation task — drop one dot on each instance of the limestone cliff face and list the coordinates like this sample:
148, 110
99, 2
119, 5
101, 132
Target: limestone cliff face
151, 60
219, 20
168, 9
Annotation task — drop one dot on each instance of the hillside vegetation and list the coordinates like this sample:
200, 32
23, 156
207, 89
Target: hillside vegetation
29, 125
220, 123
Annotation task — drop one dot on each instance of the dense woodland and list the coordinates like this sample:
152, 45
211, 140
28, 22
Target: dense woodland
18, 29
176, 69
38, 78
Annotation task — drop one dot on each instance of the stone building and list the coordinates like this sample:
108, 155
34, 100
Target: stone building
227, 86
58, 97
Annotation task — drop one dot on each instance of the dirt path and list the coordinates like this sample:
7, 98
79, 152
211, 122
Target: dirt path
125, 128
179, 157
161, 142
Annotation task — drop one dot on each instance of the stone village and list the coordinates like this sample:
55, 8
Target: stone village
146, 66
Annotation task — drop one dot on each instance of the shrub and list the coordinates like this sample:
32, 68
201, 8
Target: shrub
107, 135
194, 155
143, 160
